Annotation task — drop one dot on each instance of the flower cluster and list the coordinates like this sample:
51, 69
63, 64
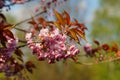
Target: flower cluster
6, 52
51, 45
88, 48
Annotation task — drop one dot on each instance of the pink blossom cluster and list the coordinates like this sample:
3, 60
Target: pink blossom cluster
18, 1
50, 45
88, 49
6, 52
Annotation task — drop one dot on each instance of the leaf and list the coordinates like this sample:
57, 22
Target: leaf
96, 42
18, 67
81, 26
105, 47
42, 21
58, 25
3, 17
59, 17
3, 39
114, 47
9, 33
80, 33
32, 22
29, 66
18, 52
73, 35
67, 18
19, 58
9, 26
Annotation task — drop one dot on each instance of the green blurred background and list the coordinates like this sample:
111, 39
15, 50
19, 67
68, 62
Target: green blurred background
102, 17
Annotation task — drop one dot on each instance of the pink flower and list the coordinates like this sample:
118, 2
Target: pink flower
44, 32
89, 50
88, 47
62, 46
28, 36
51, 45
6, 52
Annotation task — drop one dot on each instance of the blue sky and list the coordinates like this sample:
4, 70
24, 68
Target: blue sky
87, 13
91, 6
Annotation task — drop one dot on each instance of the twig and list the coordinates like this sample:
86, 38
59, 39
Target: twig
106, 61
26, 44
25, 21
22, 46
20, 29
22, 41
29, 18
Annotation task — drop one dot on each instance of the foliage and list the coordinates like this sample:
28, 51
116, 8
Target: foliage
105, 28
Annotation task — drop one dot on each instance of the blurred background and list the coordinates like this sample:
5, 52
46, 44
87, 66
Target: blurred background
102, 18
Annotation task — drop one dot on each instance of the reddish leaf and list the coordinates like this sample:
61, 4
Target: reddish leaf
73, 35
42, 21
59, 17
3, 39
9, 26
115, 47
9, 33
96, 42
3, 17
58, 25
105, 47
32, 22
67, 18
29, 66
81, 26
19, 58
30, 69
80, 33
18, 52
118, 53
18, 67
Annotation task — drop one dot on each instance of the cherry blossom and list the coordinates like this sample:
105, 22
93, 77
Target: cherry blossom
51, 45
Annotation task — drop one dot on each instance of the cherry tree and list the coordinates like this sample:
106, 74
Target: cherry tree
51, 41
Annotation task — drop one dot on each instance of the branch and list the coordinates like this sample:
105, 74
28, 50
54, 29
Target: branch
22, 41
29, 18
22, 46
106, 61
20, 29
26, 44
